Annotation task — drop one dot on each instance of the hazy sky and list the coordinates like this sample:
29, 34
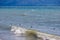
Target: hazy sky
28, 2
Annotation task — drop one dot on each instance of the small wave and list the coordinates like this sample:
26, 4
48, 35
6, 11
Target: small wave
18, 30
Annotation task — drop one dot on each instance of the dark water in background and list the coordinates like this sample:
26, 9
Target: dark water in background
29, 2
44, 20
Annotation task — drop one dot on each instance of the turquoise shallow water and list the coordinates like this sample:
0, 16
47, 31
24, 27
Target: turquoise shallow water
44, 20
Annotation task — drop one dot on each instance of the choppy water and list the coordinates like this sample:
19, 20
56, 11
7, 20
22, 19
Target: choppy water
45, 20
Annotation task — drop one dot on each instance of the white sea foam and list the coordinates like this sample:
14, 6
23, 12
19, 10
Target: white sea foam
17, 30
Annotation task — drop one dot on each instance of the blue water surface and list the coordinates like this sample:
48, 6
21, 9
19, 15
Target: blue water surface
44, 19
